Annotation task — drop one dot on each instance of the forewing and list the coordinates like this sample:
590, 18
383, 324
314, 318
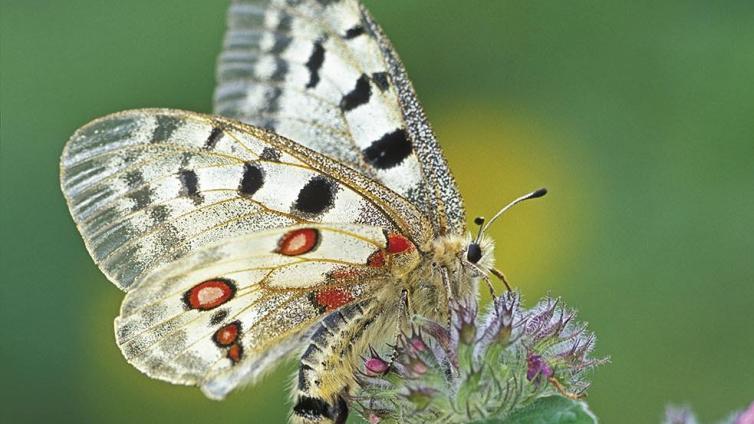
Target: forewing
147, 187
220, 315
323, 73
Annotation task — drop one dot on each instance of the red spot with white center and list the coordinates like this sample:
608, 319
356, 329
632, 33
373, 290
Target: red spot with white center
235, 352
396, 243
298, 242
209, 294
228, 334
333, 298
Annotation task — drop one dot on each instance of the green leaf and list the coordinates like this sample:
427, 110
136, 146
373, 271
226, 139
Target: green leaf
549, 410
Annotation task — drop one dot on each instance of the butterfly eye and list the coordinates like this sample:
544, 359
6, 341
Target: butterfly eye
474, 253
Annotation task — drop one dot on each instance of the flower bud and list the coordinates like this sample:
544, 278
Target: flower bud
536, 367
417, 343
376, 365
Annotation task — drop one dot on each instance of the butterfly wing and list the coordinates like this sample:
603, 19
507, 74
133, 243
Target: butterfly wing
230, 240
147, 187
324, 74
220, 315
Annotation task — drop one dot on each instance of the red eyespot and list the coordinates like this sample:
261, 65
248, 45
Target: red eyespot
235, 352
333, 298
209, 294
298, 242
227, 335
396, 243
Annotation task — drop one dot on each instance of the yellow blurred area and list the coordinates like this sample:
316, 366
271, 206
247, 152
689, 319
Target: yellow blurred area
497, 156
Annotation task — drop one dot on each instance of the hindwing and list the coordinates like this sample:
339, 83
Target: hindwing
221, 315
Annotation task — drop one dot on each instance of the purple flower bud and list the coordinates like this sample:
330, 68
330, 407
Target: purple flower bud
376, 365
537, 366
418, 344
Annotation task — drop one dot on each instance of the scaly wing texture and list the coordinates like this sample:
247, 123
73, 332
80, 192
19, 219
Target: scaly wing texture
147, 187
323, 73
220, 315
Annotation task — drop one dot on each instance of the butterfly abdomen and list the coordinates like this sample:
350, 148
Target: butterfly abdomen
329, 363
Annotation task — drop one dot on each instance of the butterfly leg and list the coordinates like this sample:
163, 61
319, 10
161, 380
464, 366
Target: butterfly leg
404, 318
327, 367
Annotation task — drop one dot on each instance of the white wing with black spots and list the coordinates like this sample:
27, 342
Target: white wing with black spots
322, 73
147, 187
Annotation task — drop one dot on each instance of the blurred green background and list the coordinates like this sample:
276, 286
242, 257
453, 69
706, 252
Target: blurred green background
638, 116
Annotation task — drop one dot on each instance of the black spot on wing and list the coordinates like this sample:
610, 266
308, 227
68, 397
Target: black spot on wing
282, 40
166, 125
315, 304
284, 22
317, 196
252, 180
214, 137
134, 179
190, 185
218, 317
159, 214
141, 198
272, 100
381, 80
271, 107
270, 154
281, 43
314, 64
354, 32
389, 151
358, 96
281, 69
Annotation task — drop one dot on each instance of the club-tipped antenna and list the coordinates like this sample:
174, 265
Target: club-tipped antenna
480, 222
533, 195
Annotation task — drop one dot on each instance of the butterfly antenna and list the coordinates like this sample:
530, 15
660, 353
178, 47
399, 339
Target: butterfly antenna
480, 222
533, 195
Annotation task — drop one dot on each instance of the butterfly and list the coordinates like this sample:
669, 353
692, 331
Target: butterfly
311, 215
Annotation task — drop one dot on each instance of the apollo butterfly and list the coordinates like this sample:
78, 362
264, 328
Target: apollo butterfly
312, 214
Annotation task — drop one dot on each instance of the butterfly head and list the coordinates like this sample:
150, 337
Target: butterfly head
474, 250
479, 249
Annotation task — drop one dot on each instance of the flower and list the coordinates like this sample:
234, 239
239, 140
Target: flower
480, 366
537, 368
